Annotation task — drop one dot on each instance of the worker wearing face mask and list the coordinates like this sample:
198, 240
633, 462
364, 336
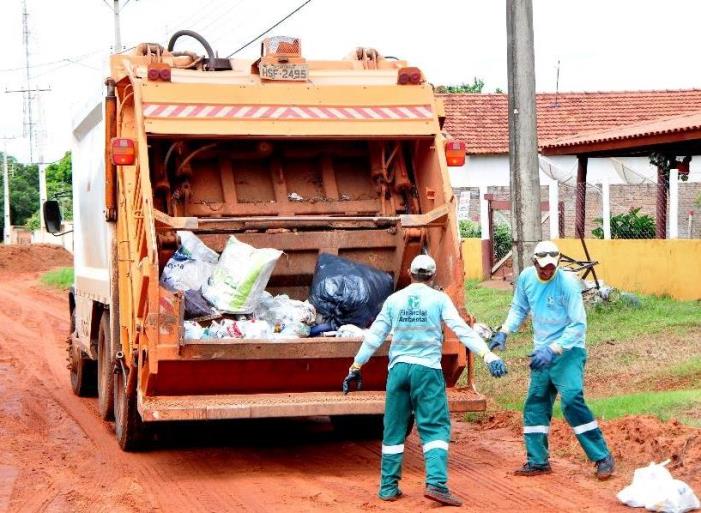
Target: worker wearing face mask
553, 297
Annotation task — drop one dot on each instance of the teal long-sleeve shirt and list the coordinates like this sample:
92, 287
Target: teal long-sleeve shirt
556, 307
415, 315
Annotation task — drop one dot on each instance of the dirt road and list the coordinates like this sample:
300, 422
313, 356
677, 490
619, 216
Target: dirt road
57, 456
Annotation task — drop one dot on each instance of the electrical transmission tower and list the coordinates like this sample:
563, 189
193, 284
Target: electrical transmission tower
30, 97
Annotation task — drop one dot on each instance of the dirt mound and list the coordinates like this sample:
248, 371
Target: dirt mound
507, 419
32, 257
638, 440
635, 441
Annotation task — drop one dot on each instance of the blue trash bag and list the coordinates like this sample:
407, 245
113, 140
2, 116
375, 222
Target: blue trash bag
346, 292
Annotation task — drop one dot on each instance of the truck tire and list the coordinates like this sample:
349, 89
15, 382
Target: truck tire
82, 368
128, 426
105, 369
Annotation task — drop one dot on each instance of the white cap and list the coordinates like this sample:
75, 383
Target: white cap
423, 264
546, 246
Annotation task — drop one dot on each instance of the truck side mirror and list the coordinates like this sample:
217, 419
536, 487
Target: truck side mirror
52, 216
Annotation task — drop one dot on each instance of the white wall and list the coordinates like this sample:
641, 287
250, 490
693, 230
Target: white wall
65, 240
493, 170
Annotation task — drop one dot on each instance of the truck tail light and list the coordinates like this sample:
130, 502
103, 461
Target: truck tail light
409, 76
123, 152
455, 153
159, 71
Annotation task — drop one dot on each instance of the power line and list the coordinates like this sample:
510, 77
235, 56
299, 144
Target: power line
49, 63
221, 18
269, 29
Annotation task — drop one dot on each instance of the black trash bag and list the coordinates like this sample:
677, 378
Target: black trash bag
345, 292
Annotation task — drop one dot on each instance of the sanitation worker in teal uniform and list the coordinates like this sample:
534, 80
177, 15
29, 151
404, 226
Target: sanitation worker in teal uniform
554, 299
415, 382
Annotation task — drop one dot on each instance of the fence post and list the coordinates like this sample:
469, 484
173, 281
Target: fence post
661, 209
485, 233
673, 203
553, 203
606, 207
580, 200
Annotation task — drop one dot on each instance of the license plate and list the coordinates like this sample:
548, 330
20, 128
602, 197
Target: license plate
284, 71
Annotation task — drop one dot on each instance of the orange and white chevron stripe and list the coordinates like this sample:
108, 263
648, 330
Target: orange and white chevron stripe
286, 112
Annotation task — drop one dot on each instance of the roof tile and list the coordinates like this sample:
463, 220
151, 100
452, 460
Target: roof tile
481, 120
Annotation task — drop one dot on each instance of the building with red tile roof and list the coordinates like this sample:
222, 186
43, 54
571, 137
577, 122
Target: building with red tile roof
481, 120
564, 120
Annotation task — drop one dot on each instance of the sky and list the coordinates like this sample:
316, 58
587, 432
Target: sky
601, 45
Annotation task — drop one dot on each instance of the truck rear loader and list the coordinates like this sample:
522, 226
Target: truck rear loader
343, 157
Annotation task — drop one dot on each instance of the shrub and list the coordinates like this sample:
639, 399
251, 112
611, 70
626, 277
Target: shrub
630, 225
469, 229
502, 236
502, 240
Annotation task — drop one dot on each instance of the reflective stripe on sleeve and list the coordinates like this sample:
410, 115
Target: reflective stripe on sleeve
528, 430
435, 444
392, 449
583, 428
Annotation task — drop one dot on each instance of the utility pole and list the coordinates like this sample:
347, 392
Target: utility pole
116, 8
523, 137
117, 28
6, 192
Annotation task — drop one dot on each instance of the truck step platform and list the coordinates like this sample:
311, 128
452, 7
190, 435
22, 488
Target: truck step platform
251, 406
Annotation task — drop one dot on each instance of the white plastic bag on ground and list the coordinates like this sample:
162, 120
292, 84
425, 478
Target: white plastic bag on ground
191, 265
654, 489
240, 276
349, 331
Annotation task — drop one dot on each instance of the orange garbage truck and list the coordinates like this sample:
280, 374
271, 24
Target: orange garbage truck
344, 157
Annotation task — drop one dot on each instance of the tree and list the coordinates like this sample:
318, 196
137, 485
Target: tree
476, 86
24, 192
59, 184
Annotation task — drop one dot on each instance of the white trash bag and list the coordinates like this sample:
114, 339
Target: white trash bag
255, 329
193, 330
654, 489
191, 265
240, 277
283, 309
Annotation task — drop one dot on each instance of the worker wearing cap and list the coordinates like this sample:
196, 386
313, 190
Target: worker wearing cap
415, 382
554, 299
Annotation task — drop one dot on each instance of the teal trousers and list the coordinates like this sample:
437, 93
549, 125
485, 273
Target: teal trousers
421, 390
566, 377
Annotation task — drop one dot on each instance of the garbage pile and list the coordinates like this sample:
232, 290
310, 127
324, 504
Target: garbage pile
225, 296
606, 294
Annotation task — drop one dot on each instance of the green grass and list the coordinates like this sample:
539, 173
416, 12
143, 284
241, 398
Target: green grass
606, 322
60, 278
626, 352
688, 369
663, 405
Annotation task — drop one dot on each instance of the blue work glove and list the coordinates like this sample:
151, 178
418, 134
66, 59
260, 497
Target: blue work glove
497, 367
498, 341
353, 375
542, 357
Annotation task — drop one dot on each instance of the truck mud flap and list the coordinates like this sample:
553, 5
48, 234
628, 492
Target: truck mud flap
256, 406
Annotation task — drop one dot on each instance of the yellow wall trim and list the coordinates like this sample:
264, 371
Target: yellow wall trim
653, 266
